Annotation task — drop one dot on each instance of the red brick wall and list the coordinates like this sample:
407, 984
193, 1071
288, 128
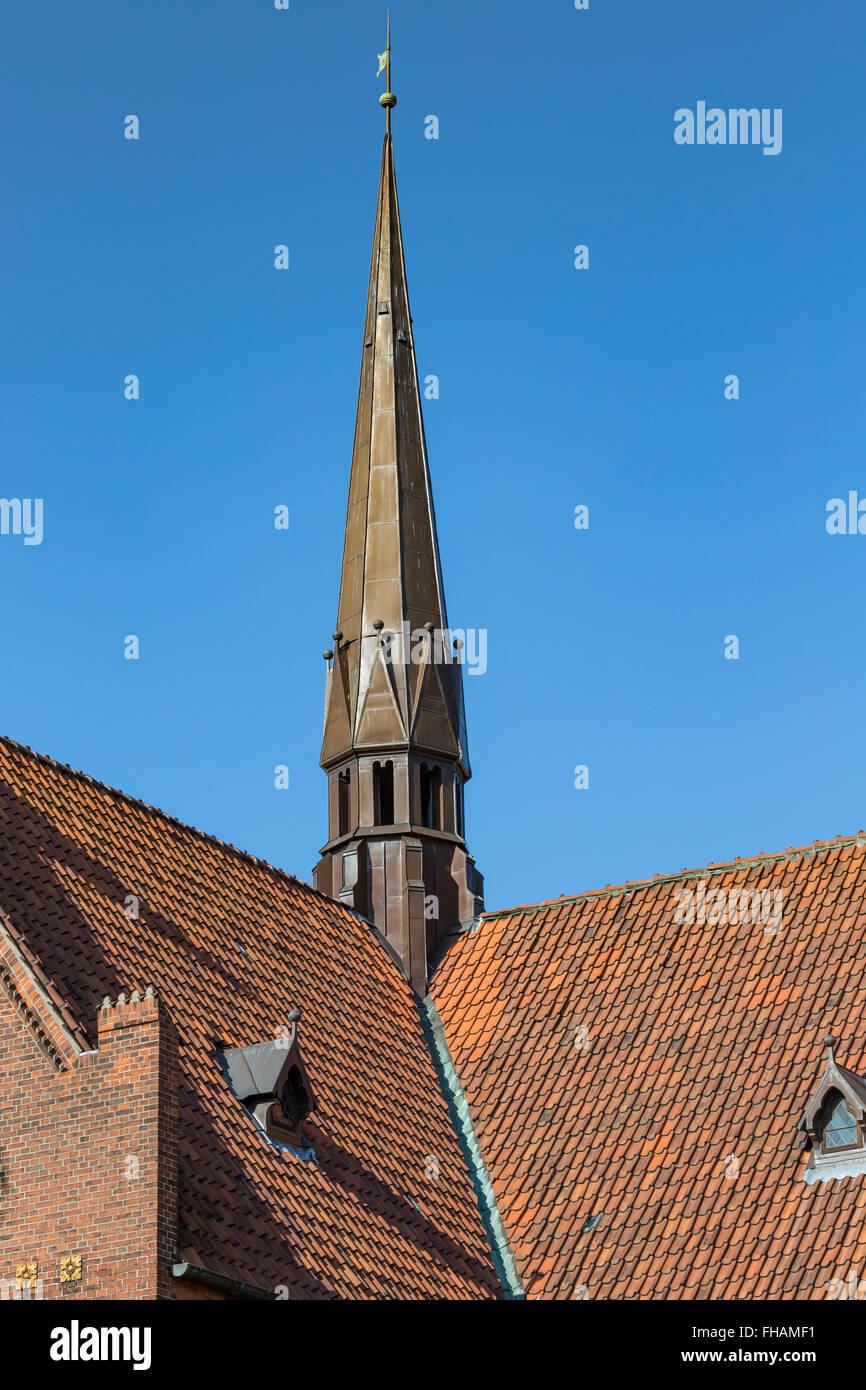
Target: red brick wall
88, 1154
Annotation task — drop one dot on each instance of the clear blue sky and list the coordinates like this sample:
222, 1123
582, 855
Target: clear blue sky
558, 387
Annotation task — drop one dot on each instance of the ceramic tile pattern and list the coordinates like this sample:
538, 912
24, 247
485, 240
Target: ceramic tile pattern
232, 944
702, 1040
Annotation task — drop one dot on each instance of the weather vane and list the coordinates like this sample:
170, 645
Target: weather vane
387, 99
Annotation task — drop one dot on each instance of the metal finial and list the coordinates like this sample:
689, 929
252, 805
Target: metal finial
387, 99
830, 1042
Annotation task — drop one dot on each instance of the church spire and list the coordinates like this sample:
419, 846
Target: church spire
394, 743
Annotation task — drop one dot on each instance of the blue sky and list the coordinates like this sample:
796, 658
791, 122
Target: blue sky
603, 387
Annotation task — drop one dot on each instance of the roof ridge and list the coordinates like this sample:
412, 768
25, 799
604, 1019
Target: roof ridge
632, 885
70, 771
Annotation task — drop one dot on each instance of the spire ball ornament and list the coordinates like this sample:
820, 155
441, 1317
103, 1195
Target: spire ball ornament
387, 99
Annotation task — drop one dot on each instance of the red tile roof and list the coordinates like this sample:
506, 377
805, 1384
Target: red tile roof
702, 1040
232, 944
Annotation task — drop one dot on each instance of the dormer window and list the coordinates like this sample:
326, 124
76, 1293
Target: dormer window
294, 1099
835, 1123
839, 1129
270, 1080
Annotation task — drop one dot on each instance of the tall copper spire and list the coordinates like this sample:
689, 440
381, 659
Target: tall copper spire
394, 743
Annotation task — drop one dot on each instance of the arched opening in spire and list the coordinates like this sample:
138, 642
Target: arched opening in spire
344, 792
383, 793
431, 797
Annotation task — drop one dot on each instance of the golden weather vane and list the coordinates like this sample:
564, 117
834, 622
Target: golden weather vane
387, 99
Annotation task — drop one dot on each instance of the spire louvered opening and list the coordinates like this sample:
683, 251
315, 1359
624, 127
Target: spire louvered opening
344, 791
383, 793
431, 797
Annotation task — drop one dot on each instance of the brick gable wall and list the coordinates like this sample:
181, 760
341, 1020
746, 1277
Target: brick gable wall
88, 1153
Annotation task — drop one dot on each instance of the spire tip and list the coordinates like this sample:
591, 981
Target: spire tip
387, 99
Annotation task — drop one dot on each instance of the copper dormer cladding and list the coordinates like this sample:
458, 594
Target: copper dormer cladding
394, 745
270, 1079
